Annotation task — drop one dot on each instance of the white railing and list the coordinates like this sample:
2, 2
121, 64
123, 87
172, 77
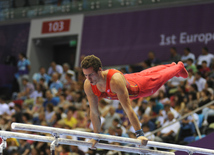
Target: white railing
58, 131
55, 141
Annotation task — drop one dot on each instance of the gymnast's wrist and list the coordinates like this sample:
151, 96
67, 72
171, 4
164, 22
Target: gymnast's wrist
139, 133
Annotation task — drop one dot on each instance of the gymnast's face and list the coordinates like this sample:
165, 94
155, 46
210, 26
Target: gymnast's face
91, 75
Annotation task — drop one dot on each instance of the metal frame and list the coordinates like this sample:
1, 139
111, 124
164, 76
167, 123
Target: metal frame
54, 142
51, 130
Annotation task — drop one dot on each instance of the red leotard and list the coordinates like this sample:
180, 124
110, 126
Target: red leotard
141, 84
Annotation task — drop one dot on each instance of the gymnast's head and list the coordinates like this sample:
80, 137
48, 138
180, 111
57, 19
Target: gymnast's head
91, 61
92, 67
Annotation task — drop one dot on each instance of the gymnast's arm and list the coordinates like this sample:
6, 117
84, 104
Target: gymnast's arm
118, 86
94, 112
93, 102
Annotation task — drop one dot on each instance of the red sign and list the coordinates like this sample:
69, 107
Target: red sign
56, 26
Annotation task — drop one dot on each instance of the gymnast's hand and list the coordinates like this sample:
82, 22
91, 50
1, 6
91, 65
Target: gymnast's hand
143, 139
94, 142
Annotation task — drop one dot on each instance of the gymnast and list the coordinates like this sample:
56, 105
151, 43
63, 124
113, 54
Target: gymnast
112, 84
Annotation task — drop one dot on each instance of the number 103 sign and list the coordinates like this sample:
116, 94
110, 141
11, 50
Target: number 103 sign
56, 26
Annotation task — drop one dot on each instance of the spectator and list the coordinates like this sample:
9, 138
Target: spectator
147, 133
110, 116
66, 69
156, 108
70, 120
4, 108
49, 113
204, 69
205, 56
50, 99
55, 68
152, 60
175, 57
168, 133
162, 97
200, 81
81, 119
187, 55
191, 65
28, 89
56, 86
205, 98
23, 69
69, 82
146, 121
41, 74
63, 102
24, 148
190, 79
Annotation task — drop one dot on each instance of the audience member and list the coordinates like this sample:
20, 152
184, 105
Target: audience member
55, 68
205, 56
174, 56
41, 74
23, 69
152, 60
204, 69
191, 65
200, 81
168, 133
187, 55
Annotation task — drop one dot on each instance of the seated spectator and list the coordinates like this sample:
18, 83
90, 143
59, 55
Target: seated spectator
163, 114
4, 107
63, 102
147, 132
187, 124
208, 111
146, 121
81, 119
168, 133
204, 69
55, 86
54, 119
117, 124
103, 107
205, 98
66, 69
50, 99
36, 93
110, 116
28, 89
156, 108
191, 65
200, 81
55, 68
175, 57
37, 108
69, 82
179, 104
4, 124
162, 97
17, 117
134, 104
205, 56
152, 60
70, 120
41, 74
24, 148
49, 113
187, 55
190, 80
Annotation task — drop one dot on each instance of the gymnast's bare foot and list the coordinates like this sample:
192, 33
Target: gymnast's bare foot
183, 73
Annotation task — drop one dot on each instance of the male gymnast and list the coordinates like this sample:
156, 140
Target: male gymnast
112, 84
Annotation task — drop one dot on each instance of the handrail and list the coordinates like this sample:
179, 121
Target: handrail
186, 115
